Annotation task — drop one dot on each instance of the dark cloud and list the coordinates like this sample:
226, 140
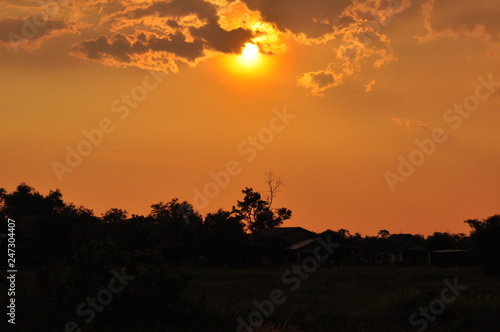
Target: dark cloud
319, 81
175, 8
211, 33
222, 40
314, 18
121, 48
17, 31
322, 79
184, 30
20, 3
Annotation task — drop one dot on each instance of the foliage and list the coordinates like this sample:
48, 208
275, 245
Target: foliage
257, 213
485, 237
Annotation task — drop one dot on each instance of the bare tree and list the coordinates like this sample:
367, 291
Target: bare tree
274, 184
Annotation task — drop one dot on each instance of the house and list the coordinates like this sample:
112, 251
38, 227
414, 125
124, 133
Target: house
298, 243
409, 249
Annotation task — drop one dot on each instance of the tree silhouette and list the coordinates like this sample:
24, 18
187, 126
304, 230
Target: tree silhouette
485, 237
178, 228
439, 241
383, 233
114, 215
273, 186
257, 213
227, 242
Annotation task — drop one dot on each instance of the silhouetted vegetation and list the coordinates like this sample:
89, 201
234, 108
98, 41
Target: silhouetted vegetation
485, 238
66, 254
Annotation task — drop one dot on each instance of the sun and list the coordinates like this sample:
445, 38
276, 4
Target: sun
250, 62
250, 56
250, 51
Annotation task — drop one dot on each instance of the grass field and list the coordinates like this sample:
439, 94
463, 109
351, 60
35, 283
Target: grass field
334, 299
346, 299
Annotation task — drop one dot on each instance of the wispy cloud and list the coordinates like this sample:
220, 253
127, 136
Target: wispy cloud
412, 124
369, 86
361, 42
479, 21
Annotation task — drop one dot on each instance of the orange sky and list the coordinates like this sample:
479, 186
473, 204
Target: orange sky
155, 99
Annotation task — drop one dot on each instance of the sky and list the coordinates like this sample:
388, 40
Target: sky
376, 114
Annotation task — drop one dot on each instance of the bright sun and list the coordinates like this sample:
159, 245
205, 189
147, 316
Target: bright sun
250, 56
250, 61
250, 51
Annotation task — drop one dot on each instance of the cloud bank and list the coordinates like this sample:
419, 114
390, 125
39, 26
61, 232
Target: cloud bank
161, 35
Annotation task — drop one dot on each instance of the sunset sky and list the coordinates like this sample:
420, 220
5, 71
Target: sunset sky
376, 114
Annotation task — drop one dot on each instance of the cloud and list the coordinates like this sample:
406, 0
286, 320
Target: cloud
225, 26
29, 32
19, 3
307, 20
459, 20
360, 41
411, 124
319, 81
160, 35
143, 50
369, 86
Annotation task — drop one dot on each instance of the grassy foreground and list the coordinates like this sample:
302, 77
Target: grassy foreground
346, 299
209, 299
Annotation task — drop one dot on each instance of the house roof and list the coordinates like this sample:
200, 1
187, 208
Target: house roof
293, 236
408, 242
301, 244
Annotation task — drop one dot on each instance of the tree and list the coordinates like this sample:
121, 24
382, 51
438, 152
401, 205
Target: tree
383, 233
47, 228
273, 186
227, 242
114, 215
485, 237
175, 212
439, 241
178, 229
257, 213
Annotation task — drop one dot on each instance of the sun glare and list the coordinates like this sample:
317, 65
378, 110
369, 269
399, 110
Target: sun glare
250, 62
250, 56
250, 51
